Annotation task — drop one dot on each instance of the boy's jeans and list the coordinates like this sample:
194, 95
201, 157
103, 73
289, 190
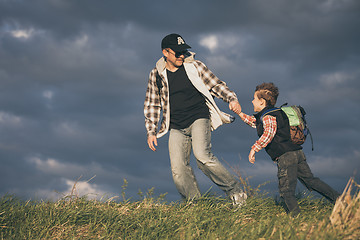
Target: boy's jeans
197, 137
293, 166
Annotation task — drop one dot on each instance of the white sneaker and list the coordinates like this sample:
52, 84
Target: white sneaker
238, 199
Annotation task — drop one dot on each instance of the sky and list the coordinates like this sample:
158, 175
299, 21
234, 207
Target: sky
73, 77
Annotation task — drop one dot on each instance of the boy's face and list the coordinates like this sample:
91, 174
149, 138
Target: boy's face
259, 104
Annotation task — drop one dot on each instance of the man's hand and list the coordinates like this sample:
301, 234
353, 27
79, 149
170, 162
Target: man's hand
252, 156
152, 140
235, 107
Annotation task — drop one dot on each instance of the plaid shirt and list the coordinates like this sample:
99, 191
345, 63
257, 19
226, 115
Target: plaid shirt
157, 100
270, 126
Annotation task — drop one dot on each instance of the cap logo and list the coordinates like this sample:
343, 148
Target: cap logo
180, 41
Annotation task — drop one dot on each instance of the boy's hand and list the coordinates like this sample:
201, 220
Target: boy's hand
235, 107
252, 156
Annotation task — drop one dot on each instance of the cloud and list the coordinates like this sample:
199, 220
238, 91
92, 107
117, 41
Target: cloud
16, 30
337, 79
60, 168
69, 129
55, 167
72, 189
9, 120
332, 5
341, 166
210, 42
73, 82
48, 94
22, 33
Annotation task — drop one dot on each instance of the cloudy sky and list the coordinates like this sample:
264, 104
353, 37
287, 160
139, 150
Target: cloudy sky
73, 76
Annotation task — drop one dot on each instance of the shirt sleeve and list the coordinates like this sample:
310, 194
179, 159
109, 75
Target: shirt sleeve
270, 126
249, 120
152, 105
216, 87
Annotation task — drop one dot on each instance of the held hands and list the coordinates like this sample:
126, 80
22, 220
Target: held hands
152, 140
252, 156
235, 107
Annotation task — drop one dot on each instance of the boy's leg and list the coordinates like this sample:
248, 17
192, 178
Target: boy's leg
183, 176
287, 176
207, 162
314, 183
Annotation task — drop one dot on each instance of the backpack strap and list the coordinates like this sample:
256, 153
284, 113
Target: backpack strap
269, 111
158, 81
312, 142
285, 104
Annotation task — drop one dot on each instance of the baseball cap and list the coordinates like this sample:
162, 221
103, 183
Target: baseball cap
175, 42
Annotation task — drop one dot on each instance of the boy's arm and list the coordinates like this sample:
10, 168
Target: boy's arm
270, 127
249, 120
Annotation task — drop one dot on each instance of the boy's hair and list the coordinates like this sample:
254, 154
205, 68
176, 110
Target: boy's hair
269, 92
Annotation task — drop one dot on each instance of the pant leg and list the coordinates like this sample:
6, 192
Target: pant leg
207, 162
183, 176
287, 176
313, 183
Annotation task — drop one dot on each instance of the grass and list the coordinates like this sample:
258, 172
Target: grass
211, 217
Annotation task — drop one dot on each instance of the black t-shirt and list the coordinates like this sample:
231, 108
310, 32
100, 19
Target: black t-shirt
187, 104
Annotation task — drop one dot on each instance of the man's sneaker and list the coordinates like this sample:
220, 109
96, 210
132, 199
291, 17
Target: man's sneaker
238, 199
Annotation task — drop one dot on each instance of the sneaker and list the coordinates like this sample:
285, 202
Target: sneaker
238, 199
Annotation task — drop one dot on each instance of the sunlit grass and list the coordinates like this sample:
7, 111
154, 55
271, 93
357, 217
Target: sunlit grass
211, 217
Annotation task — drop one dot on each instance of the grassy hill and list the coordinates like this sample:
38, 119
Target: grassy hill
210, 217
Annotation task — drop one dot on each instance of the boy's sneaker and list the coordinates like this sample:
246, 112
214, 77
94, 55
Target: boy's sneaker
238, 199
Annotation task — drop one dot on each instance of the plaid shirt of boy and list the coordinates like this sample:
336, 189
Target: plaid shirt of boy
269, 125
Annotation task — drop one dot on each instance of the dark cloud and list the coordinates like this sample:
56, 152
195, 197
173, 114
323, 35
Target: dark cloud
73, 77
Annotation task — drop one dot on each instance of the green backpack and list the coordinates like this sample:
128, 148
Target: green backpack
298, 126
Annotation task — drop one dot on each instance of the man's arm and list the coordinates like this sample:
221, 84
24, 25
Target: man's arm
152, 109
217, 87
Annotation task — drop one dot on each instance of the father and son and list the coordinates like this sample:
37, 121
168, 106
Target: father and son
180, 92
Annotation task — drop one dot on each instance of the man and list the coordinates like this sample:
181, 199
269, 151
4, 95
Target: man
183, 89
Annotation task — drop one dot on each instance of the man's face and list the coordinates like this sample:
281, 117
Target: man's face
174, 59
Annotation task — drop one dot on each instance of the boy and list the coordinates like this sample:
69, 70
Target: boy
274, 133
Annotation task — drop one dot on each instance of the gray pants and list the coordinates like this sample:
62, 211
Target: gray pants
293, 166
197, 137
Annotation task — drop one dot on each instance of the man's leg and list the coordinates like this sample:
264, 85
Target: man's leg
183, 176
313, 183
207, 162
